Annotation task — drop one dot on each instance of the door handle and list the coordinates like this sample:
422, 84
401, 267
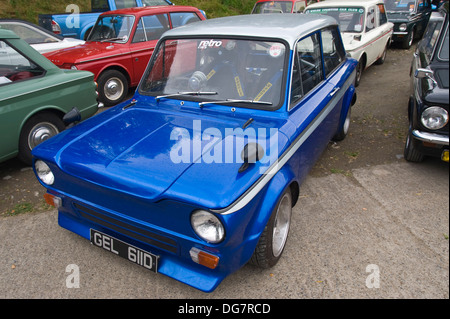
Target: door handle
334, 91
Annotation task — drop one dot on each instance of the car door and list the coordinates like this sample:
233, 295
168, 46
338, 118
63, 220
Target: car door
18, 77
148, 31
372, 36
316, 91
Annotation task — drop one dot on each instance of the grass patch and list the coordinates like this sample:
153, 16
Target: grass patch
29, 10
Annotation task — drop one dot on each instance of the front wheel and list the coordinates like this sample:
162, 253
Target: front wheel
359, 71
112, 87
273, 239
410, 152
407, 43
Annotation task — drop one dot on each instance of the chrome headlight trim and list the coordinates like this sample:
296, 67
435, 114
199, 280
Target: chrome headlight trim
44, 172
207, 226
434, 117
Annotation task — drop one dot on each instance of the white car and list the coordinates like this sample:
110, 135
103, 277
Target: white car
40, 39
364, 26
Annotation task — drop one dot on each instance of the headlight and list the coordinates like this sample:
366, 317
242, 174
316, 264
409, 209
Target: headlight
402, 27
207, 226
44, 173
434, 117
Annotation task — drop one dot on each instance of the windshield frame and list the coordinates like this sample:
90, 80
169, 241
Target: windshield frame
364, 13
204, 98
407, 10
128, 36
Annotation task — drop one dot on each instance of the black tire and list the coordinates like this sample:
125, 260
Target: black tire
112, 87
266, 253
342, 134
359, 71
410, 153
37, 129
408, 41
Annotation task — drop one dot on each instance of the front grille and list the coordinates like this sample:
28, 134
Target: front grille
126, 228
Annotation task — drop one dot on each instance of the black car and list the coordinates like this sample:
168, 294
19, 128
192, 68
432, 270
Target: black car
410, 18
429, 97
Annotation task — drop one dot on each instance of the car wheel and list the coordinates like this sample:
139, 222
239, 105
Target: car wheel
112, 87
345, 128
383, 56
359, 71
36, 130
273, 239
407, 43
410, 153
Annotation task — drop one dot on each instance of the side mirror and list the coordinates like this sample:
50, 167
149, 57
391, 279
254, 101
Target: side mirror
72, 116
425, 73
357, 37
251, 153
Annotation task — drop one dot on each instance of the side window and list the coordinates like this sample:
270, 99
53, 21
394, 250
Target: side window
382, 17
151, 28
14, 66
181, 18
299, 6
370, 22
308, 71
333, 50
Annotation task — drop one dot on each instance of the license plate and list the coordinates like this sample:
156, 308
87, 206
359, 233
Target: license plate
136, 255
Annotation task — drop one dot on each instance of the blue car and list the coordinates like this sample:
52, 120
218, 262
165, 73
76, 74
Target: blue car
197, 174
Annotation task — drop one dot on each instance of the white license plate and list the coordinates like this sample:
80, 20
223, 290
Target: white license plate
127, 251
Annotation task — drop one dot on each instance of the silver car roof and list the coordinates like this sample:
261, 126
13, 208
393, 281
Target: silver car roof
288, 27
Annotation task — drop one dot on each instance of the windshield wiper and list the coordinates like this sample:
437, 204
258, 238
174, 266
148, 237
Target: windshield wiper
184, 93
235, 101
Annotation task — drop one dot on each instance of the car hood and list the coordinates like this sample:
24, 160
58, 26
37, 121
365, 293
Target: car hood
394, 16
157, 154
85, 52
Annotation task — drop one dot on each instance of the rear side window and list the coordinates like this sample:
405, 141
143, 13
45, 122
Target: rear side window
308, 71
181, 18
151, 28
333, 50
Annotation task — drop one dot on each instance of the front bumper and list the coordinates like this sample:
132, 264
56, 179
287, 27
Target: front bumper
432, 144
173, 250
434, 138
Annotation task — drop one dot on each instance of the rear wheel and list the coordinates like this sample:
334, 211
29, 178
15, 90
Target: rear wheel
345, 128
273, 239
383, 56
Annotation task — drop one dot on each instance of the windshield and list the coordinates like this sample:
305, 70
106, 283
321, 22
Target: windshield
399, 5
349, 19
114, 28
273, 7
218, 70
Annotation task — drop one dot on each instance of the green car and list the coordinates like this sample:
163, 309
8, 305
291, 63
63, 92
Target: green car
35, 95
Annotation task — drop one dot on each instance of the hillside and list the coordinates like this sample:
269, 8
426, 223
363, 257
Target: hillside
29, 10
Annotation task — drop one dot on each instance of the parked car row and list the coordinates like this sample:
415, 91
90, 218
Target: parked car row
196, 175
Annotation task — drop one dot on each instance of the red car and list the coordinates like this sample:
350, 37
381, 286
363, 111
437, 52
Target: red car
120, 45
281, 6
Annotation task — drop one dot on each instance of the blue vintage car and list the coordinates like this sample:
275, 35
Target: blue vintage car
197, 174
